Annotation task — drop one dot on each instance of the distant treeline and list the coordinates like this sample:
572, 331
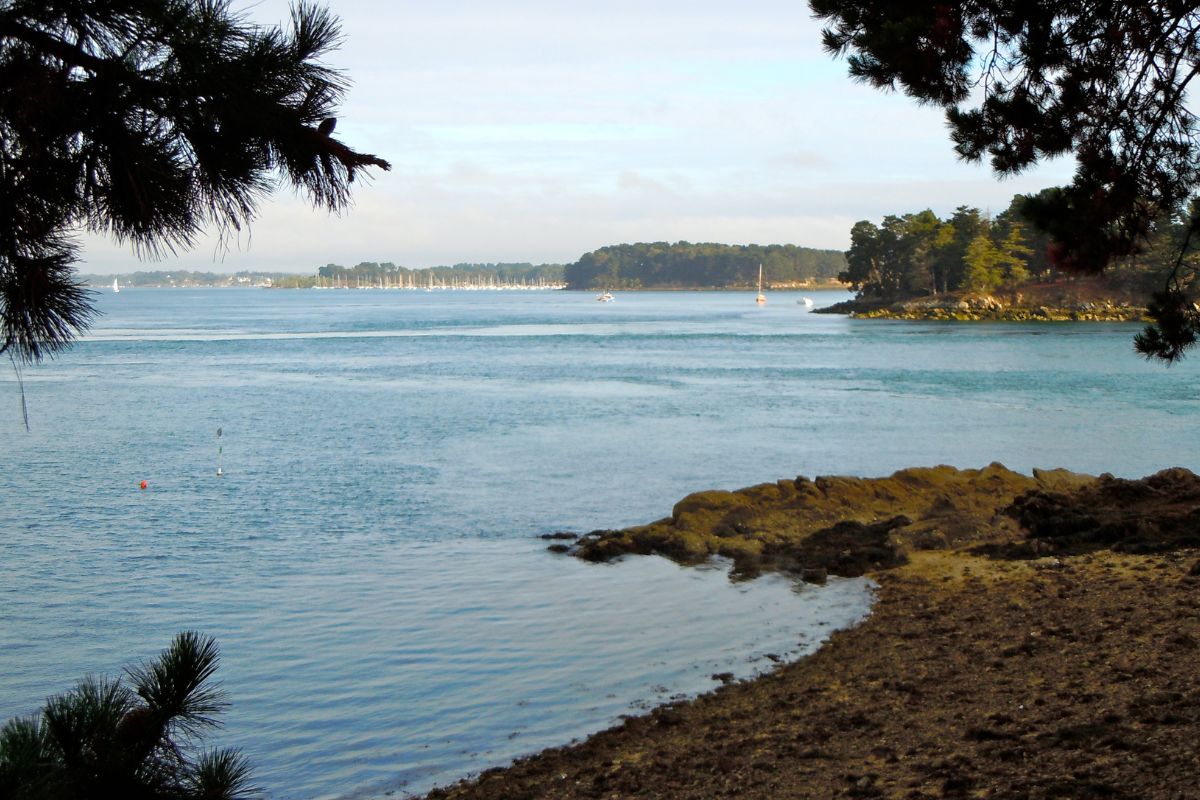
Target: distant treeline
658, 265
684, 265
183, 277
920, 254
389, 275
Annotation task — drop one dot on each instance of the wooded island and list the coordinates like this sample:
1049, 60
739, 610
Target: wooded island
972, 266
684, 265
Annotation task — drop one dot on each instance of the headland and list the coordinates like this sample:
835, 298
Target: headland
1033, 637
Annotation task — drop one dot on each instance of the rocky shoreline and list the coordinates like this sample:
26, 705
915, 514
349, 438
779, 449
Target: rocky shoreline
1033, 637
969, 308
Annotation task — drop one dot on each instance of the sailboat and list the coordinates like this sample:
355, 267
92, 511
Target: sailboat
762, 298
116, 287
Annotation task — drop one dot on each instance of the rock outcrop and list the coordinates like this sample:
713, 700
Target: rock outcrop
966, 308
835, 525
1154, 514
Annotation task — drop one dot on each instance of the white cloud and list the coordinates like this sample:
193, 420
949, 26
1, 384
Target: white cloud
537, 131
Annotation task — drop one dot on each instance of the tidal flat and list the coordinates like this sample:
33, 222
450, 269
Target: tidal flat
1033, 637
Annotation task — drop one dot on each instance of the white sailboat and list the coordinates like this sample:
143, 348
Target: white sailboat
806, 302
605, 297
762, 298
116, 287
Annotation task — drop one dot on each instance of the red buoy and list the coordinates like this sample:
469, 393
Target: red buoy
143, 484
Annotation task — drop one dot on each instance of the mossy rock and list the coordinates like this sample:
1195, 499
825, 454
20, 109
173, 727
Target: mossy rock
712, 500
839, 523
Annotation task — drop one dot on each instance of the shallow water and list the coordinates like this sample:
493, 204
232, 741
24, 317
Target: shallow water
368, 563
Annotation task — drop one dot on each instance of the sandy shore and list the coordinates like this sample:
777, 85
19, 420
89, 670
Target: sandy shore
1048, 651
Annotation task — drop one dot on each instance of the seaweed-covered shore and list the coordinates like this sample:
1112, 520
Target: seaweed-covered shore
1089, 300
1034, 637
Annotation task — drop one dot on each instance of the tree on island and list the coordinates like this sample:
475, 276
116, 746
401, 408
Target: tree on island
1023, 81
106, 739
913, 255
149, 121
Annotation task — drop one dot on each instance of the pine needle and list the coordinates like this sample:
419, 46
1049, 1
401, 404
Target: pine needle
21, 389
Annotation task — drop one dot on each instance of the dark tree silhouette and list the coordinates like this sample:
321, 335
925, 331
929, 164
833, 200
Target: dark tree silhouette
108, 740
1025, 80
149, 120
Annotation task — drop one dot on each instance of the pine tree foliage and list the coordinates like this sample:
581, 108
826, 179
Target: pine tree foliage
1027, 80
107, 739
913, 255
983, 261
150, 121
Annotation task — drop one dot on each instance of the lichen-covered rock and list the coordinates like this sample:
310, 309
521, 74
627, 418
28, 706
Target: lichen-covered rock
786, 525
1056, 305
701, 510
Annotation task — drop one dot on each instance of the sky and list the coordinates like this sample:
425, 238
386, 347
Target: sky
538, 131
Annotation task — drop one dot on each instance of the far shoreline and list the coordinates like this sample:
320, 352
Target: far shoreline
436, 289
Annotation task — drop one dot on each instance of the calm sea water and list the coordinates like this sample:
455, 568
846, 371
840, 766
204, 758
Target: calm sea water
368, 561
